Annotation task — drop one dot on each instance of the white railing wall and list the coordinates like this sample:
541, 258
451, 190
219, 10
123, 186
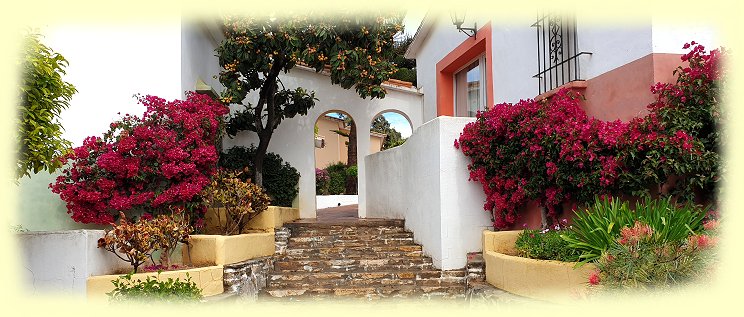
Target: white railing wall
425, 182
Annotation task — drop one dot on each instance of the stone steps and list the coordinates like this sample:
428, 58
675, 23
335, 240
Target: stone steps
363, 259
335, 279
359, 252
367, 292
354, 265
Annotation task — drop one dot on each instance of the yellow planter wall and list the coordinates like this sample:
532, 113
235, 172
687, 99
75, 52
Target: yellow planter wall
221, 250
553, 281
208, 279
267, 221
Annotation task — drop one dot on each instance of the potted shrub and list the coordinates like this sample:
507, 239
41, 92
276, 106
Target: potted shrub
234, 203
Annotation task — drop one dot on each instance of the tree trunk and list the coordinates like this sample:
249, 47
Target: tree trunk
351, 181
352, 157
258, 160
543, 218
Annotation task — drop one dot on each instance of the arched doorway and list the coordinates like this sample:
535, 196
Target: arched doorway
336, 165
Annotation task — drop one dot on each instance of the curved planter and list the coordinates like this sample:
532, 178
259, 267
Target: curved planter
553, 281
221, 250
208, 279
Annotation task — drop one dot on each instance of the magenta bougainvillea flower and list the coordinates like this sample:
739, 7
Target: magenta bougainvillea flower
161, 160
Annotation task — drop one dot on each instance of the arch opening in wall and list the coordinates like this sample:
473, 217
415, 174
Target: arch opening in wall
336, 158
388, 129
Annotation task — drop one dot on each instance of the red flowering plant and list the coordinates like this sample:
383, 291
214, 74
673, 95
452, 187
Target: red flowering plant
151, 164
551, 151
690, 111
548, 150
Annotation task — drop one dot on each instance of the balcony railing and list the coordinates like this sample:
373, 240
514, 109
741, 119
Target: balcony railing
557, 51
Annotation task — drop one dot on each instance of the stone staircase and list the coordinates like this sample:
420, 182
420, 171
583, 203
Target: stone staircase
365, 259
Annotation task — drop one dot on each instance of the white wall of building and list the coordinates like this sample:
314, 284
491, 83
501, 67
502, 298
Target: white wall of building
61, 261
425, 182
198, 57
293, 140
111, 63
514, 61
441, 40
670, 37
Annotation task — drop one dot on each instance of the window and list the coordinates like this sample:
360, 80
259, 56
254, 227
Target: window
470, 84
557, 51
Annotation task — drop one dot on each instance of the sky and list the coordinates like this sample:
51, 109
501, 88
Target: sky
397, 122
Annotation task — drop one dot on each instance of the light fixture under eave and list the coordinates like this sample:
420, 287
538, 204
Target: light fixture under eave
458, 18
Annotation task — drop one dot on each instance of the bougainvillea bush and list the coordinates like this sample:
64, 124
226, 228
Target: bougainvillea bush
151, 164
551, 151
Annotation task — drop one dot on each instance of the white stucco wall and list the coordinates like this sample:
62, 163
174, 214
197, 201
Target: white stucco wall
198, 57
328, 201
293, 140
425, 182
669, 37
514, 60
108, 64
61, 261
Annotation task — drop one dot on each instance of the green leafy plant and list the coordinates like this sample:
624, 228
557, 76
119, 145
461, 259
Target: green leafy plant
642, 259
545, 245
154, 289
240, 200
337, 181
279, 179
43, 97
596, 228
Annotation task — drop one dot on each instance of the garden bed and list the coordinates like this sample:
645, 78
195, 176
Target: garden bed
208, 279
220, 250
547, 280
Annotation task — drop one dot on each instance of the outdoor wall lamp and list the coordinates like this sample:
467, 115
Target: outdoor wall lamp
458, 18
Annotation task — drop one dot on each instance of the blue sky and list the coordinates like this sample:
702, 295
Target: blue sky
397, 122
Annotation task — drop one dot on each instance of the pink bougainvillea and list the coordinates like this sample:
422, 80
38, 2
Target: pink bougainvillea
551, 151
163, 159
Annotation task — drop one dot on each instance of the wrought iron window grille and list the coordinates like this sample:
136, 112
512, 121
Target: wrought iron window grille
557, 51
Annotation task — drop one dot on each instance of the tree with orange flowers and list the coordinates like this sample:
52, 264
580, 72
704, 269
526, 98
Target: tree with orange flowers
355, 48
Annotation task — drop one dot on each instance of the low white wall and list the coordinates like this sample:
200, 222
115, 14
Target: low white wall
329, 201
425, 182
61, 261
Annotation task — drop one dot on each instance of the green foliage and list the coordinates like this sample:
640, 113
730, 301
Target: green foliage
351, 171
280, 178
337, 181
547, 245
152, 289
43, 97
393, 138
643, 260
595, 229
406, 67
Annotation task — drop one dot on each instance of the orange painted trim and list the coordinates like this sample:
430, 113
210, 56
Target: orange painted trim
462, 54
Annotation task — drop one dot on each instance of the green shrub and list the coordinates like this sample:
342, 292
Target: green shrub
152, 289
595, 229
44, 94
546, 245
279, 179
641, 259
337, 181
